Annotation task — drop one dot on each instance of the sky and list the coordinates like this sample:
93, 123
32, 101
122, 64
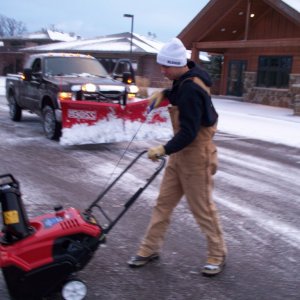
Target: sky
92, 18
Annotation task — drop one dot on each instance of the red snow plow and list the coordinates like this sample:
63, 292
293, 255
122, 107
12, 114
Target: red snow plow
89, 112
88, 122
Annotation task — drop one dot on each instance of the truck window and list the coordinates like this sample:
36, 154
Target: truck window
122, 68
36, 66
58, 66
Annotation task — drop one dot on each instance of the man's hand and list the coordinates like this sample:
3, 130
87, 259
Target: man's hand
155, 152
155, 99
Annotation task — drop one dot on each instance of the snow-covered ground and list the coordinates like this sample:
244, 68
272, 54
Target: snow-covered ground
272, 124
266, 123
2, 85
105, 131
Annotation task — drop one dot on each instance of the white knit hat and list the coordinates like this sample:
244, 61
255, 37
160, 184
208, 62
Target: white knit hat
172, 54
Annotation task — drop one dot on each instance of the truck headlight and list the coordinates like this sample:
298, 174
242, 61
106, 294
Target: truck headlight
64, 96
133, 89
89, 87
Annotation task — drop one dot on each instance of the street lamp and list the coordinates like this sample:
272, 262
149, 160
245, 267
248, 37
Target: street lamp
132, 19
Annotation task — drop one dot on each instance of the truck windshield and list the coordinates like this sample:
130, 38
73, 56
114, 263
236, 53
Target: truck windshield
73, 66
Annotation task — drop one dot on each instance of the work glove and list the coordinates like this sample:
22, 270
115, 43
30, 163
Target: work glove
154, 100
155, 152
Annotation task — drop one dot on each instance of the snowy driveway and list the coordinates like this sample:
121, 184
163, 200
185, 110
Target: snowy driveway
257, 191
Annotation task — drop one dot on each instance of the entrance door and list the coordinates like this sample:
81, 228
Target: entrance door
235, 77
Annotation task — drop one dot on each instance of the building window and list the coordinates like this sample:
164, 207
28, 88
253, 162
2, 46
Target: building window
274, 71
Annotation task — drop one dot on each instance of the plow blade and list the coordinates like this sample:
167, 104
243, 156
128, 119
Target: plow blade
97, 122
88, 112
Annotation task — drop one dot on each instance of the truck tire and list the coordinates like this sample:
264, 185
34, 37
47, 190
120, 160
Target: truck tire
15, 111
52, 128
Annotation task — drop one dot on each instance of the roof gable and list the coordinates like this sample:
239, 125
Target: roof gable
227, 20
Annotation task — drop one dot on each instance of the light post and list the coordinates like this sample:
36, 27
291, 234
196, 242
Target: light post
132, 19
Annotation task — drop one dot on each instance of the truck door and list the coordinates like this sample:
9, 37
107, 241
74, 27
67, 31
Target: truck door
31, 88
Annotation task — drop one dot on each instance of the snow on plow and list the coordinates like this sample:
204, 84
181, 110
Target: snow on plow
86, 122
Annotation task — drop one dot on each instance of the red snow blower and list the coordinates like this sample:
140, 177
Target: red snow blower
40, 257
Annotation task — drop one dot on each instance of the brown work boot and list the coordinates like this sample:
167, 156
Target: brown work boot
213, 266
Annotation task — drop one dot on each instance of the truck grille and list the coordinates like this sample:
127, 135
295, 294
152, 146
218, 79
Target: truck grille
114, 97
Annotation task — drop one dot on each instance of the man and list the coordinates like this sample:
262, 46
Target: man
192, 161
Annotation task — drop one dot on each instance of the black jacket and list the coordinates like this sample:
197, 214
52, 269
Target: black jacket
194, 105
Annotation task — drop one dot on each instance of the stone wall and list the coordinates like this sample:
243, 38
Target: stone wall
271, 96
294, 79
295, 90
249, 83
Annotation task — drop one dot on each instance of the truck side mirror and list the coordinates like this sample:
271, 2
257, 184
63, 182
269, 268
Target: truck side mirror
127, 78
27, 74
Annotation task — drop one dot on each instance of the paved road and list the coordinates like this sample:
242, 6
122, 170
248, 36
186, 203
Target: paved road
257, 193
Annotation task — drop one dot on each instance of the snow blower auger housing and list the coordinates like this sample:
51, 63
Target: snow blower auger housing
40, 256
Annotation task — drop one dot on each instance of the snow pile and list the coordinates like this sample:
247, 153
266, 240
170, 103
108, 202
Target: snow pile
261, 122
261, 128
2, 85
115, 130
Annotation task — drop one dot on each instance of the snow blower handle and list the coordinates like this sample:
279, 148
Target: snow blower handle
150, 107
132, 199
155, 100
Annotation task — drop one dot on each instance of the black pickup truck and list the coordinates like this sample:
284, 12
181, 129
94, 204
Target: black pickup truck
50, 78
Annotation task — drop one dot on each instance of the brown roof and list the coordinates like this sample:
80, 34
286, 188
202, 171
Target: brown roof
225, 20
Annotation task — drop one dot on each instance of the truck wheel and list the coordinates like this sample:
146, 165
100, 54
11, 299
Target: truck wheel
52, 128
15, 111
74, 289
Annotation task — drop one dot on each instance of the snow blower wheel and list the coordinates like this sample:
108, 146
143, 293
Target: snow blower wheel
74, 289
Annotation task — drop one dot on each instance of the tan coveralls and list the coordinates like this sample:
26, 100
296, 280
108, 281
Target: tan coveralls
188, 172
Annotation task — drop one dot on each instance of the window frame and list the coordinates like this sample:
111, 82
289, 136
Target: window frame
273, 71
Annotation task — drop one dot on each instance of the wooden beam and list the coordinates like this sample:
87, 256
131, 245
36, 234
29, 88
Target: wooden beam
195, 55
293, 42
247, 20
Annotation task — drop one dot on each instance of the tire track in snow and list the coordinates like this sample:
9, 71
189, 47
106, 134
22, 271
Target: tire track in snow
287, 232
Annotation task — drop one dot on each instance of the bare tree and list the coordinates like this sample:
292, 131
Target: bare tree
11, 27
51, 27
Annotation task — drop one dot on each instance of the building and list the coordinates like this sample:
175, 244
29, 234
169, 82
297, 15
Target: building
107, 49
11, 56
260, 44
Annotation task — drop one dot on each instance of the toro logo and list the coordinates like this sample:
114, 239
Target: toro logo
82, 114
